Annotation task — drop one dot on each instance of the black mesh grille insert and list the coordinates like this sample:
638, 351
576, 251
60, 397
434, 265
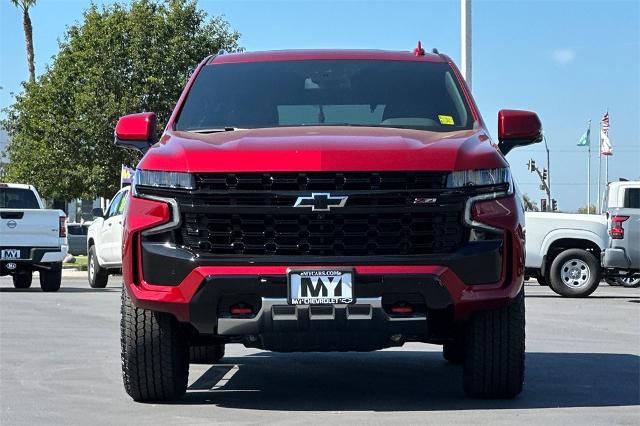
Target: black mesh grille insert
316, 234
254, 214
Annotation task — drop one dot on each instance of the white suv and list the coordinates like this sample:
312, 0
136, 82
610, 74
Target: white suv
104, 241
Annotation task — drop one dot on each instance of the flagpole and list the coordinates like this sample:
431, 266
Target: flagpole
606, 160
599, 169
589, 170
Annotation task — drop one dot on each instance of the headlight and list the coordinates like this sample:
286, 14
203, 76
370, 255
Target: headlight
484, 177
163, 179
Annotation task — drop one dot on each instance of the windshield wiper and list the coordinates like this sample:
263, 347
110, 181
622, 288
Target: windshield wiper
216, 130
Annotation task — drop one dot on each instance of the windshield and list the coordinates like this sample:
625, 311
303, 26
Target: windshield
18, 198
419, 95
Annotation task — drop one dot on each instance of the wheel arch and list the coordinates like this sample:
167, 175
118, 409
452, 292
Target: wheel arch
589, 242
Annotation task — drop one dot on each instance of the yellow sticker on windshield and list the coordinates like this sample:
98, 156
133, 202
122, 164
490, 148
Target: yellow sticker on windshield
446, 119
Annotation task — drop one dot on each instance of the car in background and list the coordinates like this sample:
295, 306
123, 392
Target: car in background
563, 251
621, 257
32, 238
104, 241
77, 238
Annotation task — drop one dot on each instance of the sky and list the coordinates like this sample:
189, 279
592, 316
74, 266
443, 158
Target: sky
569, 61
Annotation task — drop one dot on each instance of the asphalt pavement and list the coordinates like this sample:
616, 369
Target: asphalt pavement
60, 364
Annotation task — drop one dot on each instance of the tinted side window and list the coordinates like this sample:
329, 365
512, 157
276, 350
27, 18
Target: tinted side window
115, 203
122, 202
74, 229
632, 198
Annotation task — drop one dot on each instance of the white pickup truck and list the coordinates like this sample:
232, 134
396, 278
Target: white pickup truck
104, 241
32, 238
563, 251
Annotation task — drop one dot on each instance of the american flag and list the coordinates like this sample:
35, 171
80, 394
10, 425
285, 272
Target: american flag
605, 144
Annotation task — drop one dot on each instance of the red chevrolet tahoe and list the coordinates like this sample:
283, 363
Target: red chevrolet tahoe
330, 200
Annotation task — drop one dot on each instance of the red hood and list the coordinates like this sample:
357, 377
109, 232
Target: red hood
322, 148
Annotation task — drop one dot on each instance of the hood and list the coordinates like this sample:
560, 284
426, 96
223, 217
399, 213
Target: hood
323, 148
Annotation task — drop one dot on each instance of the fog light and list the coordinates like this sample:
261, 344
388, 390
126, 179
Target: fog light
402, 308
241, 309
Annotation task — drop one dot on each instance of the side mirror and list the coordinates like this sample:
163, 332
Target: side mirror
136, 131
517, 128
97, 212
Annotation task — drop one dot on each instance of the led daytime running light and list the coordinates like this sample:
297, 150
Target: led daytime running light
162, 179
483, 177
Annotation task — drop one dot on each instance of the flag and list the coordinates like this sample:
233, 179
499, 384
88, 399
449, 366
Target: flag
126, 175
605, 144
585, 139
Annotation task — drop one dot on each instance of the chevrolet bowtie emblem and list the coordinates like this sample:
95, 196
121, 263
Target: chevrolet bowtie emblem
321, 202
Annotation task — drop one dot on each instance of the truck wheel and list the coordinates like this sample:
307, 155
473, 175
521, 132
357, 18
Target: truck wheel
155, 354
575, 273
97, 276
23, 280
206, 354
628, 282
50, 279
494, 359
453, 351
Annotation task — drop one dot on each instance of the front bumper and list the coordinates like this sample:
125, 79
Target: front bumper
203, 283
367, 324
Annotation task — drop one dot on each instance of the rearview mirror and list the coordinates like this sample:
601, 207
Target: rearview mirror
517, 128
136, 131
97, 212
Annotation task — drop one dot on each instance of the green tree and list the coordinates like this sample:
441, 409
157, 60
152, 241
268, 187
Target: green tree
585, 210
25, 5
121, 59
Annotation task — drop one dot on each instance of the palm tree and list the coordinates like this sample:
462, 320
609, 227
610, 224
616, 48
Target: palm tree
28, 34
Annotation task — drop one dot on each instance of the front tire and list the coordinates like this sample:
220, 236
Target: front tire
495, 347
155, 354
23, 280
575, 273
51, 279
98, 277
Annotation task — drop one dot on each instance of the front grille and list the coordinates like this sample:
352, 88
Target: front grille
253, 214
313, 234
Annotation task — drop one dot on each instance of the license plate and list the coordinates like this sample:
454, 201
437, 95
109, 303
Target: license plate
10, 254
320, 286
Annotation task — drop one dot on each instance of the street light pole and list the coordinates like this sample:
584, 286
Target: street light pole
465, 40
544, 137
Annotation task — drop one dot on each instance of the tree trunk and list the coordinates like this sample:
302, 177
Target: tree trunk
28, 36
